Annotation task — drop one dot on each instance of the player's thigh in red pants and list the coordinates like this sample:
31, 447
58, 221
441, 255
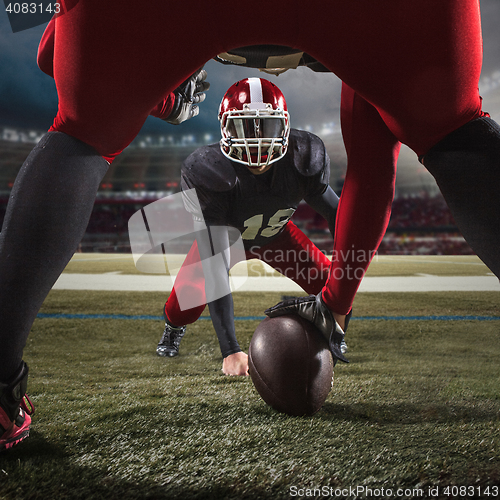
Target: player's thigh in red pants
418, 63
291, 254
295, 256
190, 286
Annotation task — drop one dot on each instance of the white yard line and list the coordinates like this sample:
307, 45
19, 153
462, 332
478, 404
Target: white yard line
154, 283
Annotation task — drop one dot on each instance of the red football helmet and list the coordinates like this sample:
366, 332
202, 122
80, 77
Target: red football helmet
254, 123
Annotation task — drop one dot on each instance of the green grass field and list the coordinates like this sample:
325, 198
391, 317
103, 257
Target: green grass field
382, 265
418, 407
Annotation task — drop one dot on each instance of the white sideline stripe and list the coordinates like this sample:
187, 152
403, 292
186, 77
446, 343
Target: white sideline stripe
158, 283
430, 284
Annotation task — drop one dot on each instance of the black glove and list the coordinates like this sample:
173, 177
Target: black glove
187, 94
313, 309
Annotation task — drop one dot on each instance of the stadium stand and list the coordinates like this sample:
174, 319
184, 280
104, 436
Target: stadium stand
149, 169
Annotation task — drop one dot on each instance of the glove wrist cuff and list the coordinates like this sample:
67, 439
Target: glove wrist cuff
176, 111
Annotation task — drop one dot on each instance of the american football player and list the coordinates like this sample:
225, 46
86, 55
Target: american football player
413, 67
253, 181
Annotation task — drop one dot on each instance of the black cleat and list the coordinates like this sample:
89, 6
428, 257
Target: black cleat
15, 410
170, 340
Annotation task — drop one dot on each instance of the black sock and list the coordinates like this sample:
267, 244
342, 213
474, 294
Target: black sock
466, 166
47, 215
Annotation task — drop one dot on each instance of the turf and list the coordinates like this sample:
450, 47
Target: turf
418, 407
382, 265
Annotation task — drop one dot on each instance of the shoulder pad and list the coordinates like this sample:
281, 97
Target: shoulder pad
308, 153
208, 168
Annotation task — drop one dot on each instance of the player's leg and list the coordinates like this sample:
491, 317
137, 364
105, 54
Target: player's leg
466, 166
47, 214
109, 75
419, 64
190, 286
465, 156
362, 217
105, 94
365, 204
462, 147
295, 256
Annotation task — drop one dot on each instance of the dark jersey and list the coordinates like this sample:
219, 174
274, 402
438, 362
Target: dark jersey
259, 206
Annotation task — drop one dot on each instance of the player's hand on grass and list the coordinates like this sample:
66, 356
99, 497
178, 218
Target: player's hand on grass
187, 95
313, 309
235, 364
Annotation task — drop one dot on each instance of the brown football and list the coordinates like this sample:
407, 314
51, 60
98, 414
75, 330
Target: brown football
290, 365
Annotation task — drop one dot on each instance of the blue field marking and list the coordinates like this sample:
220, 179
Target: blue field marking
96, 316
429, 318
260, 318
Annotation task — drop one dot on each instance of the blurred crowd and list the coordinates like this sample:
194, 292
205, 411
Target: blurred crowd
419, 225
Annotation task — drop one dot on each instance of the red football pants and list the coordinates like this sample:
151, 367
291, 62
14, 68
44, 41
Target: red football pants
292, 254
417, 64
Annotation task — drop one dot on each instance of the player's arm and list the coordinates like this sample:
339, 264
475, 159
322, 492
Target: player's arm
179, 106
326, 205
212, 241
182, 104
